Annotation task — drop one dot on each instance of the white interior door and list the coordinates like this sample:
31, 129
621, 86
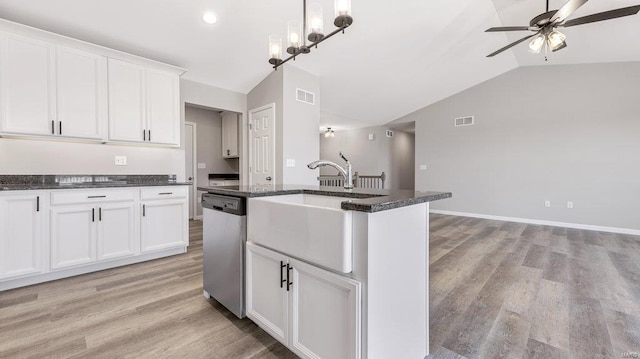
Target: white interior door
190, 160
262, 147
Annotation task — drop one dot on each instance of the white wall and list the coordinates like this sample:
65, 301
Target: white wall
296, 123
557, 133
392, 155
300, 127
30, 156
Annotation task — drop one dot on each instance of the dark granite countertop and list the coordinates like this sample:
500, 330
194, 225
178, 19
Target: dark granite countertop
359, 199
42, 182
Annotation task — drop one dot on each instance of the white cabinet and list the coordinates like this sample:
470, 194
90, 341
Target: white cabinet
27, 85
22, 244
267, 302
73, 236
51, 91
163, 114
230, 136
81, 96
315, 313
143, 105
127, 112
116, 230
92, 225
165, 213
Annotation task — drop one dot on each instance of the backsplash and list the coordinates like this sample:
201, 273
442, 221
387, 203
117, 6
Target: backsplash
75, 179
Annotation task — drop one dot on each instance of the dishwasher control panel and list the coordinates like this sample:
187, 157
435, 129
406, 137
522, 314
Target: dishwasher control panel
232, 205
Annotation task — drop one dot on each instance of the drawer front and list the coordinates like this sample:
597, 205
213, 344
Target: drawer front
147, 193
216, 183
231, 183
82, 196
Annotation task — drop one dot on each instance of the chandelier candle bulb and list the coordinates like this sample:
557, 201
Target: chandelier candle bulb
343, 13
293, 31
315, 23
275, 49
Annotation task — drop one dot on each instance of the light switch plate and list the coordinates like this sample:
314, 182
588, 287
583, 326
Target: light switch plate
291, 163
372, 137
121, 160
202, 165
423, 167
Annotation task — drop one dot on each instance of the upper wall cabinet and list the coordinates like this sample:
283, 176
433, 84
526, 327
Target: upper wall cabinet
81, 96
143, 105
50, 90
56, 87
27, 85
230, 135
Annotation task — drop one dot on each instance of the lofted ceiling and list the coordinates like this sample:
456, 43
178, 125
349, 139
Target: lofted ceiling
396, 58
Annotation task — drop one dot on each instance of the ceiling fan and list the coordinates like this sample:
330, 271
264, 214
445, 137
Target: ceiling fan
544, 25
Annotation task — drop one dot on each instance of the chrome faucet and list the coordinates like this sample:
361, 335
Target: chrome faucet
346, 173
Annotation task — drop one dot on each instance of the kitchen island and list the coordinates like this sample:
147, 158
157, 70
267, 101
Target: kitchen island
335, 273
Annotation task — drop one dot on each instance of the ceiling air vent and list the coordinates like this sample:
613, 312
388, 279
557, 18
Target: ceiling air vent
464, 121
389, 133
305, 96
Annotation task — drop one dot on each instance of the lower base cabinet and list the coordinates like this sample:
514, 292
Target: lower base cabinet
73, 236
164, 224
314, 312
22, 236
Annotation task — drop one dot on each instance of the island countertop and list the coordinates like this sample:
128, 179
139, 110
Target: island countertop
358, 199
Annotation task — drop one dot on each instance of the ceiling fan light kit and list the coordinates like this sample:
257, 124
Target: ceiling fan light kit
545, 26
313, 25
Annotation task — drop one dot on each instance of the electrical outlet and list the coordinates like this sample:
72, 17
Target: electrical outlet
423, 167
121, 160
372, 137
570, 205
291, 163
547, 204
202, 165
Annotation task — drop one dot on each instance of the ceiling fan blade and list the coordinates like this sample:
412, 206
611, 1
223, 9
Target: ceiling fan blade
601, 16
568, 9
509, 28
512, 45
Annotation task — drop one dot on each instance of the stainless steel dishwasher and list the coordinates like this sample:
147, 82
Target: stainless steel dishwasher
224, 236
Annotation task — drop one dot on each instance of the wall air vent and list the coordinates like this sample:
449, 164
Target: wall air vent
465, 121
389, 133
305, 96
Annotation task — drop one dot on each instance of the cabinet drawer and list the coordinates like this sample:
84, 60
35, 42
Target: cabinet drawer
216, 183
76, 196
163, 192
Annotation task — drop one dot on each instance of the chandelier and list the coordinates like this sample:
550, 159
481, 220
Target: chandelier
311, 30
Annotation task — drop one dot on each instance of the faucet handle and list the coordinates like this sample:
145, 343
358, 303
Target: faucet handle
344, 158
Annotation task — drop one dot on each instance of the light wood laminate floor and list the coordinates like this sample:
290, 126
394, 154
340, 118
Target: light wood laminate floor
497, 289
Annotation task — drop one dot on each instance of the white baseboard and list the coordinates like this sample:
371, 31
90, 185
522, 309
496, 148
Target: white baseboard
588, 227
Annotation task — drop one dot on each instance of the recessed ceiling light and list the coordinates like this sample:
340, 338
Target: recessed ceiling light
210, 18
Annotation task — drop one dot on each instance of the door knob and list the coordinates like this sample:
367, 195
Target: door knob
268, 178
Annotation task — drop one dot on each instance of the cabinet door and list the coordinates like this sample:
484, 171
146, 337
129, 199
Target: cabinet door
81, 93
126, 102
325, 313
230, 136
267, 301
164, 224
116, 230
73, 236
27, 85
21, 235
163, 116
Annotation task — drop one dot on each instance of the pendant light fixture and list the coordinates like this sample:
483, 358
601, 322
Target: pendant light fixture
312, 30
329, 132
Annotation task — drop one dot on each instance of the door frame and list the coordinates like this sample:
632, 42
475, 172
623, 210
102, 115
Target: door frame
194, 170
273, 142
